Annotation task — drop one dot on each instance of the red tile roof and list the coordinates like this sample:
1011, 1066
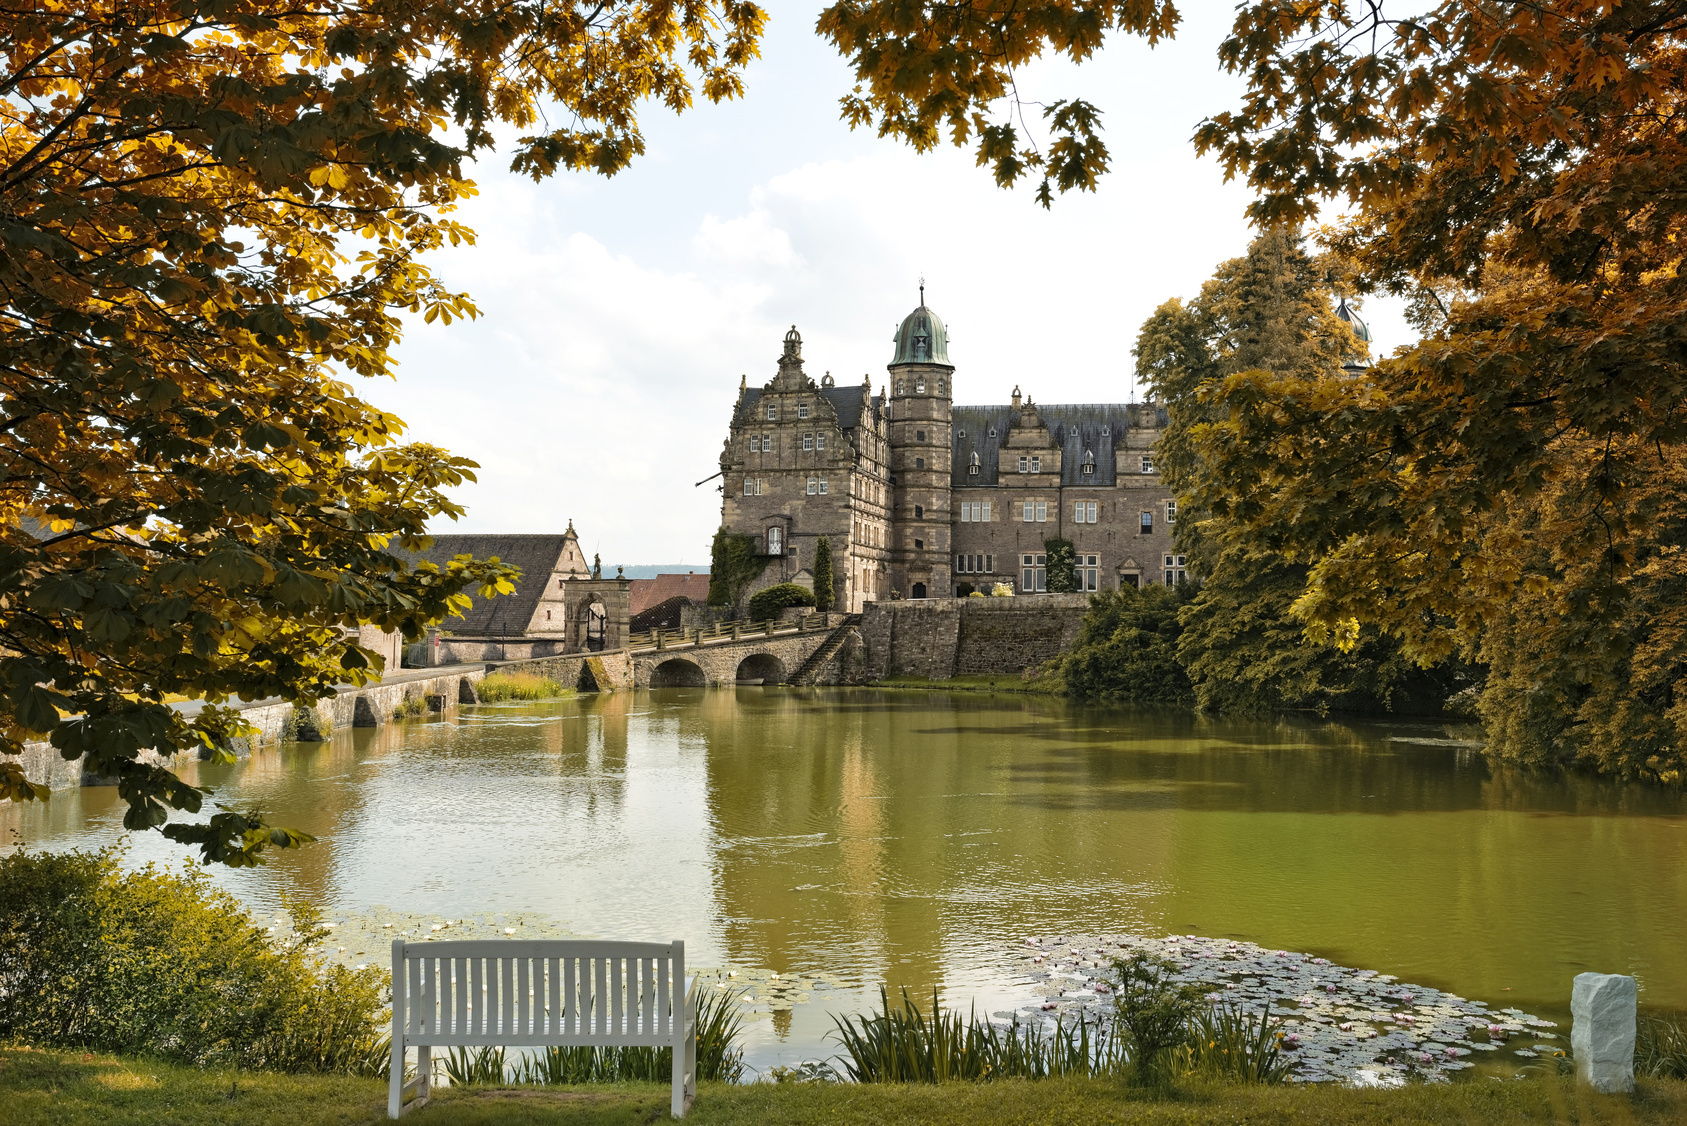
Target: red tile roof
646, 593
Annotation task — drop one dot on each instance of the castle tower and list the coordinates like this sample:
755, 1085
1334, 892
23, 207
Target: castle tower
921, 445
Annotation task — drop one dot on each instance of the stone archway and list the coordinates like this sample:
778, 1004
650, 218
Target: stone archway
919, 591
763, 668
678, 673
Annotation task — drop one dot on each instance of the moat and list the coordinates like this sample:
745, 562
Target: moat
843, 838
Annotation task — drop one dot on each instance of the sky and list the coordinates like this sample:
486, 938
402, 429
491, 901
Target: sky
619, 314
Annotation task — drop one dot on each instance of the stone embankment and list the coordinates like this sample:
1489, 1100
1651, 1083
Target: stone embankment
941, 638
369, 705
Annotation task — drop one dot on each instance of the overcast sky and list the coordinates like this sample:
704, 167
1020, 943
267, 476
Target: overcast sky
619, 314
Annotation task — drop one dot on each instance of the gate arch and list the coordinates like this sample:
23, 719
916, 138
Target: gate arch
764, 667
678, 673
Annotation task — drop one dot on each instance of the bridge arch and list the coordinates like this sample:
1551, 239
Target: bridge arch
764, 667
677, 672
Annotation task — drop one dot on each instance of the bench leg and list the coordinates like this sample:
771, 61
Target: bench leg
681, 1079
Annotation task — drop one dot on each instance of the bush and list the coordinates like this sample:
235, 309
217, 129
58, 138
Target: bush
1127, 649
160, 963
767, 603
520, 686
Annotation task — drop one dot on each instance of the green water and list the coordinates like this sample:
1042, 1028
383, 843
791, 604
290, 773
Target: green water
858, 837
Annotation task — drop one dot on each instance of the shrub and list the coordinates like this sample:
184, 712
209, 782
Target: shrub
1154, 1012
520, 686
767, 603
156, 962
823, 574
408, 708
1062, 560
1127, 648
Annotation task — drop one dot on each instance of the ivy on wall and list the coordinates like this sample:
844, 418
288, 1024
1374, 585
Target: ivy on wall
734, 563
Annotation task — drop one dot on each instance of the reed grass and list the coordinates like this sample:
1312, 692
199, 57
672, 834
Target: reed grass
520, 686
1660, 1048
905, 1045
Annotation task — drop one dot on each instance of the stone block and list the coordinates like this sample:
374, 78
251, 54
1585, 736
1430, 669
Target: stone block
1602, 1031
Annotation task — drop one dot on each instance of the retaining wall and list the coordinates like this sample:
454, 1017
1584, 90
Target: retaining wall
608, 671
941, 638
368, 706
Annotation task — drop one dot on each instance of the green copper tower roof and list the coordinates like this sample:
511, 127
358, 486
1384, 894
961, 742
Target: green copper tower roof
1360, 329
922, 339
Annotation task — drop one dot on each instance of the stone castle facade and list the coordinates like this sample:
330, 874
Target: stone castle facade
923, 499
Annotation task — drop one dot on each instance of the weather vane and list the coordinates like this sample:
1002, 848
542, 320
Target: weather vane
922, 289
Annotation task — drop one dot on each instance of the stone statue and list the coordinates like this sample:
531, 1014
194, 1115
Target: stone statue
597, 565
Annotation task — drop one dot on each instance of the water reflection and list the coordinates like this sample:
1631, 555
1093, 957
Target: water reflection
904, 837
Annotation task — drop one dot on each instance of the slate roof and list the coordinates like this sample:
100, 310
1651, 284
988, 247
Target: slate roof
1075, 428
646, 593
536, 555
846, 401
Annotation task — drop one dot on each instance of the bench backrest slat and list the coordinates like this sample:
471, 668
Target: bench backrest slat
538, 992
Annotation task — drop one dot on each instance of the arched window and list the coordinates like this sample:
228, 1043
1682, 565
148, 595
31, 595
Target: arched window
775, 540
919, 387
899, 387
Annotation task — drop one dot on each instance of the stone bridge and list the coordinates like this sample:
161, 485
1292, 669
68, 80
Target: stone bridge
794, 655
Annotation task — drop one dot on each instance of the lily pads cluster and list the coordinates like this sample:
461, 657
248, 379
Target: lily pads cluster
1339, 1024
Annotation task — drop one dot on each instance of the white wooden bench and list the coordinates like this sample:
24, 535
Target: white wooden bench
539, 994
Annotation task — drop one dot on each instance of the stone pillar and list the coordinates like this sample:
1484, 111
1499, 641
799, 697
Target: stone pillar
1602, 1031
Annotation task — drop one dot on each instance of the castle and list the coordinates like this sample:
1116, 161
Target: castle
923, 499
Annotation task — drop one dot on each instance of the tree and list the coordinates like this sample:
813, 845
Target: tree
1061, 563
734, 563
1517, 172
212, 212
823, 574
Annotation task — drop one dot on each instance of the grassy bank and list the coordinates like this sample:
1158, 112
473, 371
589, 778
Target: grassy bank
1044, 685
53, 1088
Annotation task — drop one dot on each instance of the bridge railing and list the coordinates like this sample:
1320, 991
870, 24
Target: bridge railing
736, 630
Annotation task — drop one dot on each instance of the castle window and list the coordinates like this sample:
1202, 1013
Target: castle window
802, 410
1042, 512
1147, 464
899, 387
940, 387
1036, 465
776, 540
772, 411
1147, 523
767, 443
1033, 573
1089, 461
813, 486
1175, 569
755, 443
1088, 572
992, 431
822, 486
547, 615
819, 440
919, 512
919, 387
1083, 512
1106, 430
1171, 512
808, 441
1024, 464
919, 463
919, 545
961, 434
919, 435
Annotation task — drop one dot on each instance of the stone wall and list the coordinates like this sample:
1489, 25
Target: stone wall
368, 706
608, 671
944, 637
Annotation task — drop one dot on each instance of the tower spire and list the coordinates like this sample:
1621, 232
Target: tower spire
922, 289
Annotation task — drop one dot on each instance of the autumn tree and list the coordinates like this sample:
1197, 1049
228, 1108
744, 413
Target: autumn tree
1515, 171
213, 214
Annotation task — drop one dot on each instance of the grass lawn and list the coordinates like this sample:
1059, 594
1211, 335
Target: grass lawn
48, 1088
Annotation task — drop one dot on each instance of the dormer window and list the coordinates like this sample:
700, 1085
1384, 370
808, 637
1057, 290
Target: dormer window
1089, 461
802, 410
1106, 430
992, 431
962, 434
972, 465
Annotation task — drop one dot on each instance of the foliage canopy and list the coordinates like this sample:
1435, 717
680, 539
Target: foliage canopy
210, 210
